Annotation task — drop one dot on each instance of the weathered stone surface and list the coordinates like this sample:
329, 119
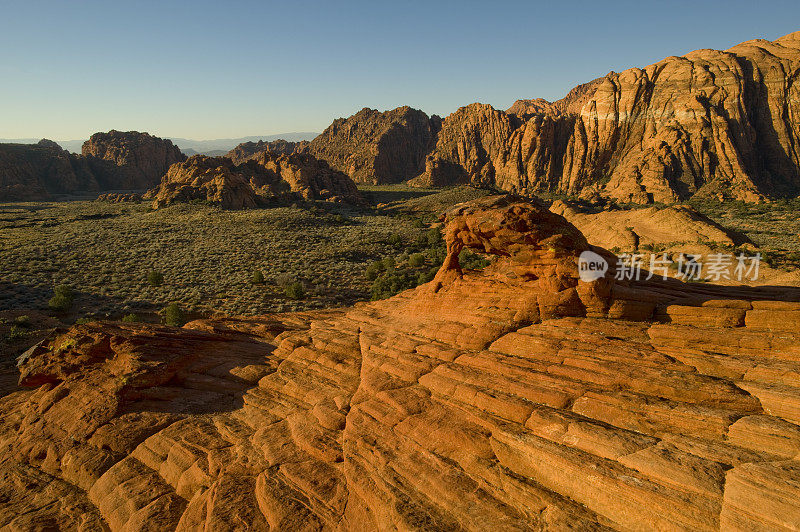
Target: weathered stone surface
266, 178
33, 172
710, 123
378, 147
129, 160
247, 150
483, 401
631, 229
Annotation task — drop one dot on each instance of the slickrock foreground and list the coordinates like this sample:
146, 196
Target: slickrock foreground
514, 398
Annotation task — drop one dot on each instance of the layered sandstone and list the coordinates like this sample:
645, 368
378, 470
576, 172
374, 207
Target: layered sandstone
248, 150
631, 229
34, 172
377, 147
711, 123
515, 398
265, 179
129, 160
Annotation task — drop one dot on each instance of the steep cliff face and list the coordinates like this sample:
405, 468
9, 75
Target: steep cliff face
32, 172
714, 123
516, 398
129, 160
266, 178
377, 147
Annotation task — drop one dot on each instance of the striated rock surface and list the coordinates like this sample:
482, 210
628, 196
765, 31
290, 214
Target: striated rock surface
129, 160
710, 123
630, 229
515, 398
33, 172
378, 147
248, 150
267, 178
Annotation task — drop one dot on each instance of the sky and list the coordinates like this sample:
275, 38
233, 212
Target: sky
207, 70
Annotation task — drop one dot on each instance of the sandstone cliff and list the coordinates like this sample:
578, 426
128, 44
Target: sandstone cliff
264, 179
377, 147
248, 150
516, 398
713, 123
129, 160
32, 172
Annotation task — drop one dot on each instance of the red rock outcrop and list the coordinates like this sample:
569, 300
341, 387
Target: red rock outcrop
711, 123
34, 172
631, 229
248, 150
514, 398
266, 178
378, 147
129, 160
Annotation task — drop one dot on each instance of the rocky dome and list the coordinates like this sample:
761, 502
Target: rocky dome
129, 160
377, 147
515, 398
267, 178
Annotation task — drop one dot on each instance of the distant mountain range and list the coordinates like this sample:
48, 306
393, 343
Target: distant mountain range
188, 146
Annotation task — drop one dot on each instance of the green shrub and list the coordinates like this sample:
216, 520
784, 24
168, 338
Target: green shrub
16, 333
434, 236
416, 260
173, 315
84, 320
23, 321
395, 240
471, 261
257, 278
389, 263
155, 278
62, 298
373, 270
131, 318
295, 291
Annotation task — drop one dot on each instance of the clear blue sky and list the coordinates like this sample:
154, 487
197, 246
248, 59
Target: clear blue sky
229, 69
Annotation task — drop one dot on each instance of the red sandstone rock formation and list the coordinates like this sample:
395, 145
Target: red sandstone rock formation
33, 172
375, 147
264, 179
129, 160
248, 150
713, 123
514, 398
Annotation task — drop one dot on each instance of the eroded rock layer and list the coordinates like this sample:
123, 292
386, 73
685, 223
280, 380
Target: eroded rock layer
377, 147
713, 123
33, 172
514, 398
263, 179
129, 159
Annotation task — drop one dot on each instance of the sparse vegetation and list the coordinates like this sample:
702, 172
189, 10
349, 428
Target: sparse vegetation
131, 318
295, 290
174, 316
155, 278
62, 298
257, 277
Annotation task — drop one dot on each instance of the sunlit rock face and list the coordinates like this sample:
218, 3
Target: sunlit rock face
514, 398
711, 123
128, 159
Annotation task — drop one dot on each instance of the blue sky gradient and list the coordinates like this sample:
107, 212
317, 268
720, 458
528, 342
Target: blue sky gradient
229, 69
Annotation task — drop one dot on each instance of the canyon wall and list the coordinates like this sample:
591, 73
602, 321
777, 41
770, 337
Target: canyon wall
711, 123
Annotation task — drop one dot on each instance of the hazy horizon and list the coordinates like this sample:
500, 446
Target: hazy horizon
204, 71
